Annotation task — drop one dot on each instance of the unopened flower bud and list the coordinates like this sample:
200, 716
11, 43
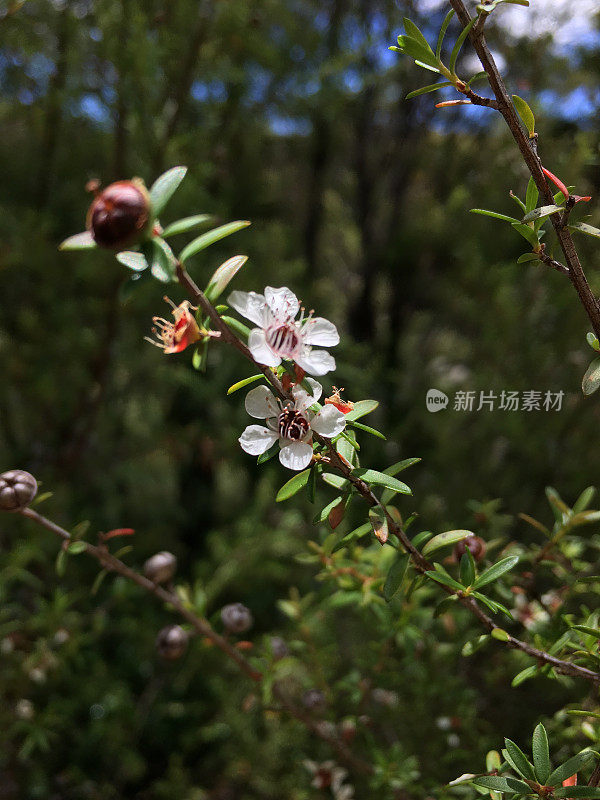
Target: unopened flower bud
313, 699
236, 617
119, 214
171, 642
279, 648
474, 543
347, 729
161, 567
17, 490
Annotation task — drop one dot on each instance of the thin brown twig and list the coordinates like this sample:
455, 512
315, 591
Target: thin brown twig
420, 563
528, 148
204, 628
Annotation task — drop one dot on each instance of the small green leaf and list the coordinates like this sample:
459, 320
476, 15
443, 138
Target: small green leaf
421, 53
243, 331
401, 465
531, 196
444, 540
210, 237
584, 499
367, 429
467, 568
459, 43
541, 754
440, 575
540, 213
361, 409
245, 382
433, 87
593, 342
525, 113
324, 513
80, 241
587, 630
494, 215
268, 454
499, 784
524, 675
413, 31
395, 576
583, 227
442, 34
527, 257
381, 479
495, 571
163, 261
200, 356
591, 792
77, 547
185, 224
311, 486
165, 187
591, 379
293, 486
518, 760
500, 634
570, 767
132, 260
223, 276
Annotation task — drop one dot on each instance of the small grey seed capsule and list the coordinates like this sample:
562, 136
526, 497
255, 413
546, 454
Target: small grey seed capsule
171, 642
236, 617
17, 490
160, 568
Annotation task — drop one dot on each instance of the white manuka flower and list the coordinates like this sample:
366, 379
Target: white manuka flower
291, 424
280, 335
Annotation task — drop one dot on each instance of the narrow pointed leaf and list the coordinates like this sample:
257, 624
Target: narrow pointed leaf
395, 576
293, 486
165, 187
519, 760
583, 227
381, 479
459, 43
443, 29
525, 113
495, 571
80, 241
433, 87
540, 213
241, 384
185, 224
541, 754
223, 276
494, 214
135, 261
210, 237
361, 409
531, 196
444, 540
591, 379
571, 767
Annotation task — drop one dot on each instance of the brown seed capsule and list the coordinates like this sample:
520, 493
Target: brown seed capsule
17, 490
475, 544
236, 617
161, 567
119, 214
171, 642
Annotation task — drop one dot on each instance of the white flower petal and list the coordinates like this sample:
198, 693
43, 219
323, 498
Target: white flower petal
296, 455
250, 305
261, 403
261, 352
328, 422
302, 399
282, 303
316, 362
319, 330
256, 439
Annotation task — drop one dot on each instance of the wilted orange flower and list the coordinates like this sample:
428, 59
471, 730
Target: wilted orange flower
336, 400
175, 337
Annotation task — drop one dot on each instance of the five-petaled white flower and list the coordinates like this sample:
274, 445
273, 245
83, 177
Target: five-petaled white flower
280, 335
292, 424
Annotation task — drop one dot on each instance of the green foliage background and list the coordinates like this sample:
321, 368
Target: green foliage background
288, 113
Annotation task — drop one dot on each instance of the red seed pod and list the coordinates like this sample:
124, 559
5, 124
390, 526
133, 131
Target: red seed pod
119, 214
475, 544
171, 642
17, 490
